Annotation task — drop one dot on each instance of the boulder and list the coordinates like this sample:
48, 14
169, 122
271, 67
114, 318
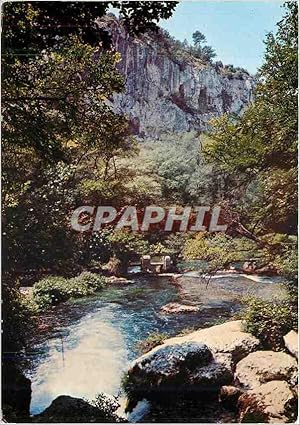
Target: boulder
215, 374
16, 393
167, 362
227, 338
76, 410
272, 402
179, 367
203, 361
176, 308
263, 366
291, 343
214, 352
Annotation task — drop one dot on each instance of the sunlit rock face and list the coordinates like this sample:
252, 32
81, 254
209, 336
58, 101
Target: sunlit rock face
164, 94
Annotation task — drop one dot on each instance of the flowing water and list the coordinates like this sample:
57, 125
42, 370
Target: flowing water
90, 342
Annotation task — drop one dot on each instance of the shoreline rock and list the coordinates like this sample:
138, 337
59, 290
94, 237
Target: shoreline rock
16, 393
264, 366
77, 410
220, 361
271, 402
267, 378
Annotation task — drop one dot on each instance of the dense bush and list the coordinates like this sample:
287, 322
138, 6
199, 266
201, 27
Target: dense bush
53, 290
269, 321
50, 291
86, 283
18, 319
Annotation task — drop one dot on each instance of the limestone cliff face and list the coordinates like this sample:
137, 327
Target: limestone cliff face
164, 94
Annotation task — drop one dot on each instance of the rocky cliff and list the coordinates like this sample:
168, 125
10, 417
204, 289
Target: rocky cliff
165, 93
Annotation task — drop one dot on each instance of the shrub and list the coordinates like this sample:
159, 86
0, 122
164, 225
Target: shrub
86, 284
151, 341
50, 291
56, 289
269, 321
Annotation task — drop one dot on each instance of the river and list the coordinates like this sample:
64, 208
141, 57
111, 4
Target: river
90, 342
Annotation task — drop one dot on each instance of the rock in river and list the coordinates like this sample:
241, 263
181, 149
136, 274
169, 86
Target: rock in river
229, 395
168, 365
202, 360
227, 338
175, 308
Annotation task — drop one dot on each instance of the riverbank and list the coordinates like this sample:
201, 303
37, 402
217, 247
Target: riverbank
216, 373
222, 363
88, 343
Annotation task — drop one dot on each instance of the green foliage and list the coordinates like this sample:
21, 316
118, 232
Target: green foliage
151, 341
174, 243
124, 244
50, 291
31, 27
219, 250
53, 290
49, 93
257, 151
205, 52
99, 192
269, 321
87, 283
18, 318
287, 263
183, 174
36, 223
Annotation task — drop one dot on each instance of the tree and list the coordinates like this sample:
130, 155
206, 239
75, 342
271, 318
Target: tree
208, 53
258, 151
198, 38
201, 51
58, 78
183, 174
29, 27
45, 100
